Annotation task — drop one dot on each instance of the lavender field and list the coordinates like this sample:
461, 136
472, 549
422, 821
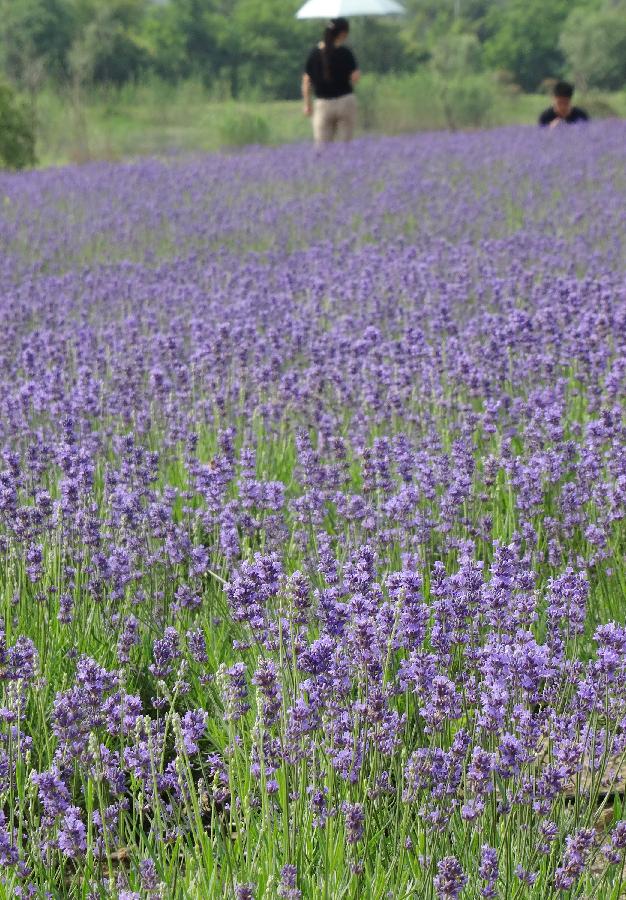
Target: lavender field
312, 523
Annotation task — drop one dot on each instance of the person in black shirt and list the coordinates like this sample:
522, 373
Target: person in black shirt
331, 72
562, 110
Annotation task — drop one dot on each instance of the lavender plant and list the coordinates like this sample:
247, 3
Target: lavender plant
312, 501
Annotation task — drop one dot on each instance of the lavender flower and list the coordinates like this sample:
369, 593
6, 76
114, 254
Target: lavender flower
148, 874
355, 819
245, 891
450, 878
577, 850
525, 876
9, 855
235, 690
196, 642
266, 680
287, 889
193, 727
72, 837
363, 458
166, 651
488, 871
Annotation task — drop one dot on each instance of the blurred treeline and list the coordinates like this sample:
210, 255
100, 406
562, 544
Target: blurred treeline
255, 48
83, 79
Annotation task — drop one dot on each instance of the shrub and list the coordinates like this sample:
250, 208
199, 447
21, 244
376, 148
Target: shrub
598, 107
594, 44
456, 55
368, 102
240, 129
395, 104
426, 99
17, 135
467, 100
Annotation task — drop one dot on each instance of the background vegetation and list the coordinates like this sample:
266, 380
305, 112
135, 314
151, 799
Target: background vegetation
154, 118
80, 66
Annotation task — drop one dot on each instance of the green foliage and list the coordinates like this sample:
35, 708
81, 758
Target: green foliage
380, 46
427, 22
113, 53
166, 35
523, 38
272, 48
598, 107
255, 49
35, 36
594, 45
369, 99
426, 100
466, 97
467, 100
153, 117
456, 54
397, 104
17, 136
240, 129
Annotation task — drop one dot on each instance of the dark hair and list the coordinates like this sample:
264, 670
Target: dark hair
332, 31
564, 89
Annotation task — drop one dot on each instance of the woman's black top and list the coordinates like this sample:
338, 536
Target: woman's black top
341, 65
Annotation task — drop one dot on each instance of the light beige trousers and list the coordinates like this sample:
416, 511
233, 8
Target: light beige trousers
334, 118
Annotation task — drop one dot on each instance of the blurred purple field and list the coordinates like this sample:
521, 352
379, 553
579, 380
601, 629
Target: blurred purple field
312, 501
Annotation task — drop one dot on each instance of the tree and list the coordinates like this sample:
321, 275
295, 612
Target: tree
380, 46
165, 33
466, 97
35, 34
257, 47
246, 45
272, 47
428, 21
523, 38
594, 45
17, 137
192, 37
109, 37
456, 55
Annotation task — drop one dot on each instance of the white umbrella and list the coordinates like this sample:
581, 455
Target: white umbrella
332, 9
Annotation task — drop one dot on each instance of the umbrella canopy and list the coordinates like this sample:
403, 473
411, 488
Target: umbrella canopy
332, 9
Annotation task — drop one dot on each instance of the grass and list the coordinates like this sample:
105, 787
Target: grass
152, 120
157, 119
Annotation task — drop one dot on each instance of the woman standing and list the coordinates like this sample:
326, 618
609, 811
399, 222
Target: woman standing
331, 73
